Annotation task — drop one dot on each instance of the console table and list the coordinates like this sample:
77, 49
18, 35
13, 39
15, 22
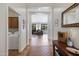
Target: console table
61, 48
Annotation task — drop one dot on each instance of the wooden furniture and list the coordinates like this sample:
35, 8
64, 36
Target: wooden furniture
62, 36
61, 48
13, 22
37, 32
70, 17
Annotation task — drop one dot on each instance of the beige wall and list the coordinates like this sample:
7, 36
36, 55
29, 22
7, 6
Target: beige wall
12, 13
73, 32
57, 27
22, 31
3, 29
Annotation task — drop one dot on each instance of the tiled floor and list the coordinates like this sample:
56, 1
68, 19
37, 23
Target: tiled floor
40, 46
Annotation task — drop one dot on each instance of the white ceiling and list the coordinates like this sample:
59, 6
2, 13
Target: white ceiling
31, 5
22, 6
53, 5
18, 5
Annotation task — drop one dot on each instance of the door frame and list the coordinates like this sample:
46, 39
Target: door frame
30, 23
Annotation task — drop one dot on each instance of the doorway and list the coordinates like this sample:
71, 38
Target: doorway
39, 43
39, 27
13, 32
39, 24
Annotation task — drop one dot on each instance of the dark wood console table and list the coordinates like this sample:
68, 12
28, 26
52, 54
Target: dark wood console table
62, 49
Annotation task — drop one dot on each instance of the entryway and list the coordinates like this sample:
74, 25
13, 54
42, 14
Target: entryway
40, 45
13, 33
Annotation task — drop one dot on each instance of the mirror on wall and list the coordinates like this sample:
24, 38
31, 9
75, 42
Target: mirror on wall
70, 17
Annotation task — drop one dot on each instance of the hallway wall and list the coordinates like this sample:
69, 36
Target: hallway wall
50, 25
73, 32
12, 13
3, 29
57, 19
27, 26
22, 29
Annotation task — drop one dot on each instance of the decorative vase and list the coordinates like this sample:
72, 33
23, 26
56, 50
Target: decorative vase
69, 42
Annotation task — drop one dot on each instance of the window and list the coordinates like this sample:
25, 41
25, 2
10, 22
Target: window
33, 26
44, 26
